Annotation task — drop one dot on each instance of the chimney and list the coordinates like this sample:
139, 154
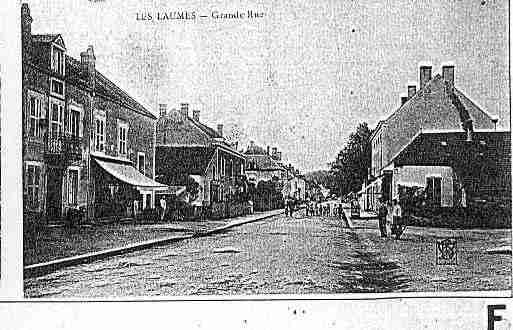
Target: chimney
26, 31
448, 73
404, 99
220, 129
425, 75
184, 109
412, 90
162, 109
268, 150
88, 61
195, 115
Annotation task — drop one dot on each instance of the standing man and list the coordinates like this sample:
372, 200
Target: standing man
382, 216
163, 206
397, 224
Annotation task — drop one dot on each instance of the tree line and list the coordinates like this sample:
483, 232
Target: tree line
349, 169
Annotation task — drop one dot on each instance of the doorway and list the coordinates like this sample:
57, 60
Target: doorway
54, 193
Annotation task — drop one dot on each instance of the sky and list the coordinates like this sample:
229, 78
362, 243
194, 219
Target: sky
300, 78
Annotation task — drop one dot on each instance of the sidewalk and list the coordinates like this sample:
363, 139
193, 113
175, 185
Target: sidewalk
59, 247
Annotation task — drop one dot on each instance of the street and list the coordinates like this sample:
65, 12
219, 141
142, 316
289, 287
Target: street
284, 255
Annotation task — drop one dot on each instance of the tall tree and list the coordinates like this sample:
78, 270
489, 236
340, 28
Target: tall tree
349, 170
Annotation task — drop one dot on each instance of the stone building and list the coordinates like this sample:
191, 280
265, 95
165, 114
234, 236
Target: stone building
187, 148
263, 165
86, 143
427, 140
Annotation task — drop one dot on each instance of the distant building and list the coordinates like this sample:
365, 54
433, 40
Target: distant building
86, 143
188, 148
262, 165
438, 139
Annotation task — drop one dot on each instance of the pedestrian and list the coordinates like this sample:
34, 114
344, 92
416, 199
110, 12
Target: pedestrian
382, 216
397, 221
163, 208
251, 209
340, 210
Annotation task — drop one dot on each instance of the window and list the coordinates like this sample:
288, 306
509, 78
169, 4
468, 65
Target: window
122, 138
434, 190
58, 60
57, 87
56, 116
73, 186
33, 179
35, 109
141, 162
99, 133
74, 122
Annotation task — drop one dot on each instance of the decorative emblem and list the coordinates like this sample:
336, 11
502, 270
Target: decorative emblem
446, 251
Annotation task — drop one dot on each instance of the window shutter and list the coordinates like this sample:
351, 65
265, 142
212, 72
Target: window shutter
81, 123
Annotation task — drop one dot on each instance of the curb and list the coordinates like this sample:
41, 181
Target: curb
43, 268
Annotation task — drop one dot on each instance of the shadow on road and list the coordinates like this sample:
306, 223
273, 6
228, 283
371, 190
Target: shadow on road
367, 272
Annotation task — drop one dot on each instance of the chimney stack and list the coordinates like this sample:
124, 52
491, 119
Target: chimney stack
412, 90
88, 61
448, 73
184, 109
404, 99
425, 75
220, 129
195, 115
26, 31
162, 109
268, 150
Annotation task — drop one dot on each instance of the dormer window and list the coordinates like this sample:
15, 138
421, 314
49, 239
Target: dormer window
58, 64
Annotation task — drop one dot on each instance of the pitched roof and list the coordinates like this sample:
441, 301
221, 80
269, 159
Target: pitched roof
212, 133
190, 160
262, 162
104, 86
175, 130
47, 38
442, 95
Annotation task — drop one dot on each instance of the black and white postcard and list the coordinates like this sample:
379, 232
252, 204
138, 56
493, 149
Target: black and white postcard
265, 150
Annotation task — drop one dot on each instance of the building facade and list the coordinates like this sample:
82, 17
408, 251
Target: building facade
86, 143
263, 165
187, 148
437, 107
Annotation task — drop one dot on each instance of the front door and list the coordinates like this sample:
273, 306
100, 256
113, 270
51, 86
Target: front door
54, 193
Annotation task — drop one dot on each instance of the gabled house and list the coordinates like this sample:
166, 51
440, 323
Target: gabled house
411, 146
86, 143
262, 165
188, 148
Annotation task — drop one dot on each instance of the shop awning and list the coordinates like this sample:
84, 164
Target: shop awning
128, 174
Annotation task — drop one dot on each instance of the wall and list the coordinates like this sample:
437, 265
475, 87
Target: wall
416, 176
140, 132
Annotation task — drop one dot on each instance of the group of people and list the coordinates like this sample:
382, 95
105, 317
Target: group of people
392, 213
327, 209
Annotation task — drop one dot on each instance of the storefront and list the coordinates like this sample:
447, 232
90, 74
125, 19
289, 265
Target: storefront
120, 190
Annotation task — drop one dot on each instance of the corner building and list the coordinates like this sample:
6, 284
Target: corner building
87, 145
